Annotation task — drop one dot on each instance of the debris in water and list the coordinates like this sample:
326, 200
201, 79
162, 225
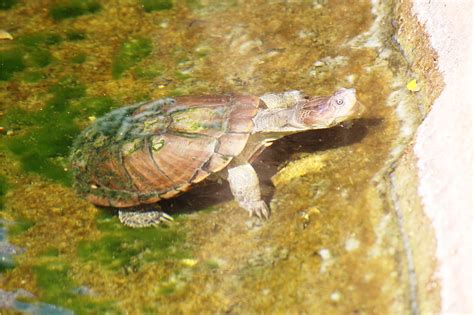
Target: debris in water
188, 262
325, 254
335, 296
352, 244
413, 86
5, 35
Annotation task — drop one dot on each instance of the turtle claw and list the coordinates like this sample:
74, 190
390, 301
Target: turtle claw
258, 209
165, 218
140, 219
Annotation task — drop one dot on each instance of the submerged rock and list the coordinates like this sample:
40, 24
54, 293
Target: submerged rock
9, 300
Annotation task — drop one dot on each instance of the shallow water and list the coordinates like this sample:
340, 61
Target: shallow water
332, 243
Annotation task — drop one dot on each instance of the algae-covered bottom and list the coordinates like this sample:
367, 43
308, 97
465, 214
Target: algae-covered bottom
331, 245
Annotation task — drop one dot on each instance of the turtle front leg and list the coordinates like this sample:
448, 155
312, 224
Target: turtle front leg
141, 219
245, 187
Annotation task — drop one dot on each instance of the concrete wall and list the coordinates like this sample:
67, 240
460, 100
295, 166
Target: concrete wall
438, 215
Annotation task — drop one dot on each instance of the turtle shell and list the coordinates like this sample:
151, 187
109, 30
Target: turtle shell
156, 150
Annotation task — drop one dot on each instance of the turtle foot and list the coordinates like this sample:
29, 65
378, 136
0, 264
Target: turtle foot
141, 219
258, 209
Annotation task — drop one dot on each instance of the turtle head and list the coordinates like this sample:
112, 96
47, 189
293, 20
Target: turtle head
325, 112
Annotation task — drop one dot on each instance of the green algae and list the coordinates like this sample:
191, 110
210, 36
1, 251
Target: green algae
156, 5
147, 73
58, 288
80, 58
167, 289
96, 106
176, 92
68, 89
6, 265
129, 54
30, 50
66, 9
51, 252
212, 264
75, 35
39, 57
38, 148
194, 4
7, 4
35, 48
181, 76
16, 118
21, 225
11, 61
54, 281
3, 190
40, 39
122, 248
33, 76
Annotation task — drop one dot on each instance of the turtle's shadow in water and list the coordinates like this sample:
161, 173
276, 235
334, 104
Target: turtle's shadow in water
210, 193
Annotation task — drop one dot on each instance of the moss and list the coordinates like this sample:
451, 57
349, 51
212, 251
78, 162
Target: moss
211, 264
58, 288
194, 4
122, 247
181, 76
39, 39
43, 147
142, 97
75, 35
176, 92
3, 190
31, 50
3, 185
20, 226
73, 8
11, 61
129, 54
41, 164
39, 57
156, 5
97, 106
167, 289
79, 58
7, 4
33, 76
147, 73
5, 265
53, 280
68, 89
51, 252
16, 118
39, 147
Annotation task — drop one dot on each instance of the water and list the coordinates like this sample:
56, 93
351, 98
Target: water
332, 244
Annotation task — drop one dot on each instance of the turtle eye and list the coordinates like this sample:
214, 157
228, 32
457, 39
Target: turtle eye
339, 102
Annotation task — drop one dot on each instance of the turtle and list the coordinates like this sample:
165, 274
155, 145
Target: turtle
140, 154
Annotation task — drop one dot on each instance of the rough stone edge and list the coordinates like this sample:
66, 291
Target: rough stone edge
419, 234
414, 44
416, 227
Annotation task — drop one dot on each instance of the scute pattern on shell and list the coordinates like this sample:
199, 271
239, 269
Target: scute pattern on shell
155, 150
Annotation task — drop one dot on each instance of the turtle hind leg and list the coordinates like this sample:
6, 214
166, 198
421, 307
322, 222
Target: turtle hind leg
143, 218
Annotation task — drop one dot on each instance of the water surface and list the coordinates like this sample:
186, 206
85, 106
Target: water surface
332, 243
